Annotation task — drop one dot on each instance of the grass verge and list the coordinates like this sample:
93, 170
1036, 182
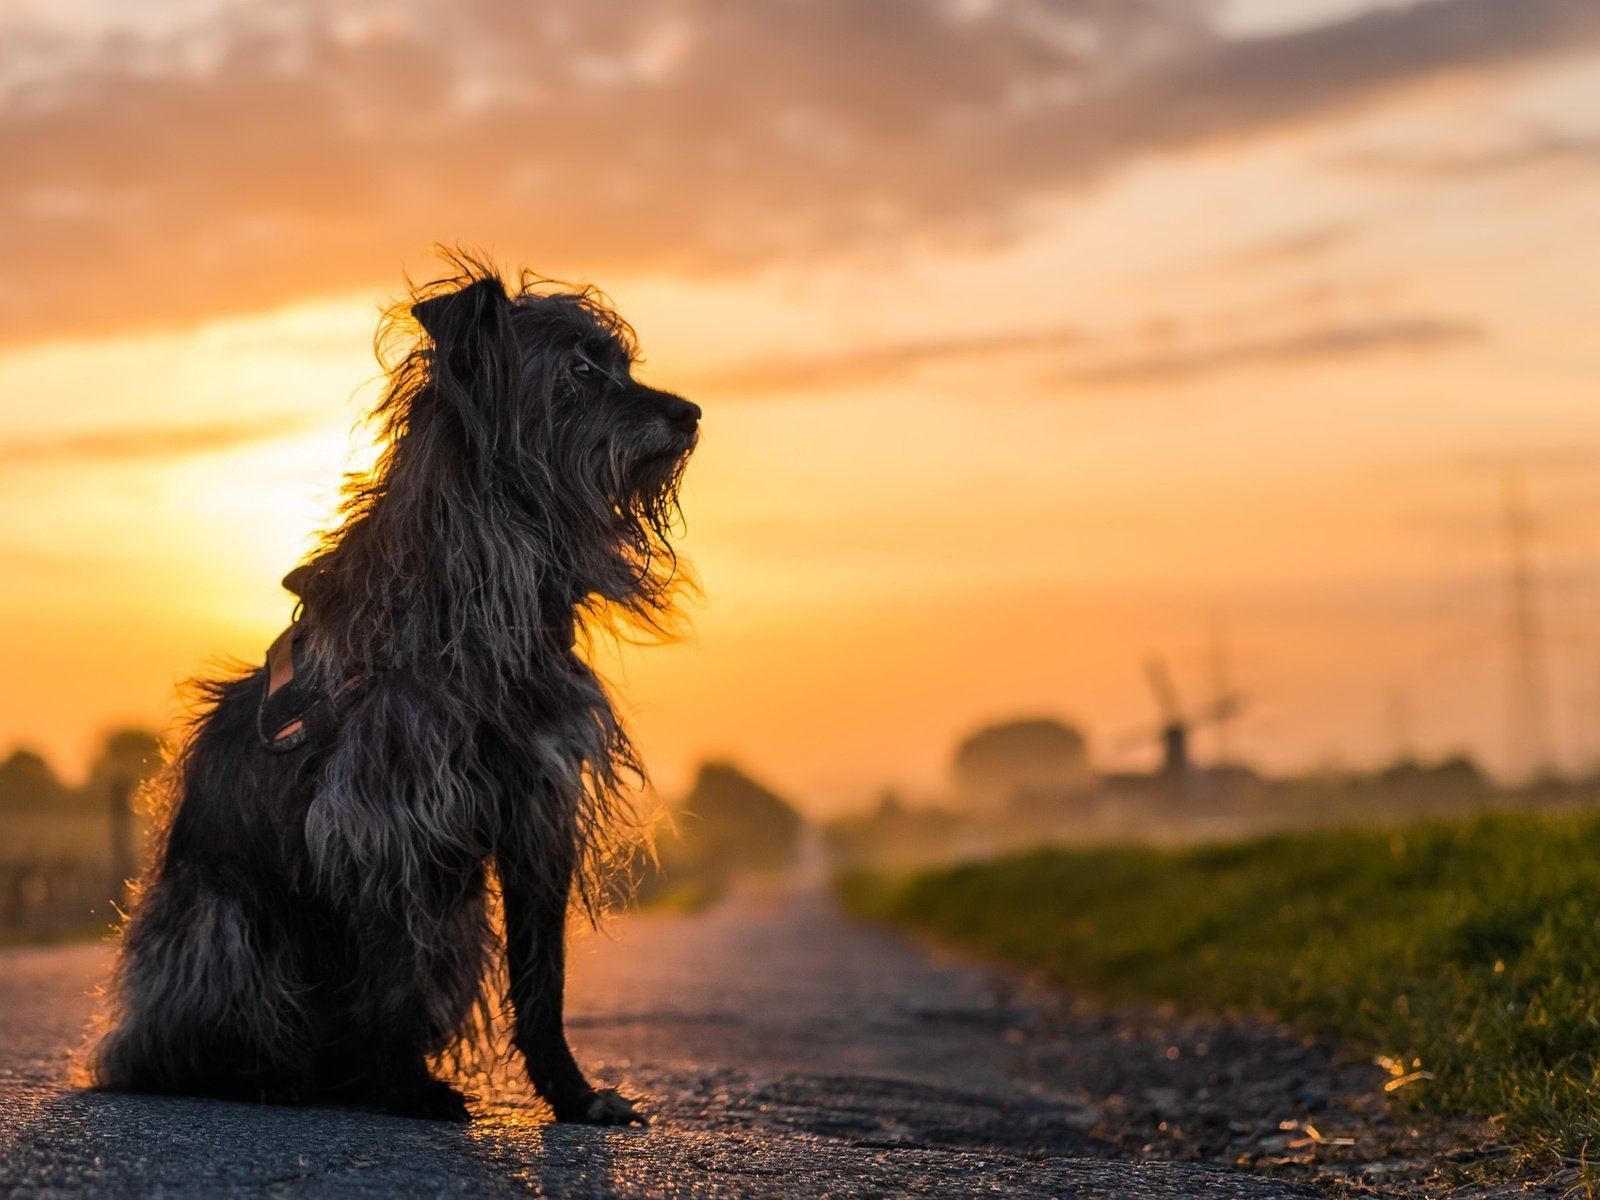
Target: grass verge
1468, 953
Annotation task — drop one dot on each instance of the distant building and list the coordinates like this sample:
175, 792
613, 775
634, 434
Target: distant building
1023, 765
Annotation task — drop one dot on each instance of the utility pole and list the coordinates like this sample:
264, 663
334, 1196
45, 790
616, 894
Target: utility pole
1527, 702
1221, 690
1402, 736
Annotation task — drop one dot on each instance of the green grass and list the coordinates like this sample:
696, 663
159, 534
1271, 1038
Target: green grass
682, 898
1469, 951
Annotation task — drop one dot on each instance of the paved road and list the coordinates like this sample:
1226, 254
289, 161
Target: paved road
781, 1051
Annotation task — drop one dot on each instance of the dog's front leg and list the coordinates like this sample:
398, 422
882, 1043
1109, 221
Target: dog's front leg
536, 920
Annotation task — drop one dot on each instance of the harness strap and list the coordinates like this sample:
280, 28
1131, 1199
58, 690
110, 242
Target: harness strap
292, 711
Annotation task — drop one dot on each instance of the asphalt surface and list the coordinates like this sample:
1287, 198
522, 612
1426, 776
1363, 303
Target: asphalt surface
780, 1050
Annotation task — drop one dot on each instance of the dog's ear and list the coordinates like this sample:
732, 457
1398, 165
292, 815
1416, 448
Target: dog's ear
460, 322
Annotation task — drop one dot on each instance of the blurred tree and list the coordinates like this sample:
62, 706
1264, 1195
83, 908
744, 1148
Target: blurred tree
999, 764
731, 820
1460, 770
125, 762
728, 823
1457, 772
27, 783
890, 805
127, 757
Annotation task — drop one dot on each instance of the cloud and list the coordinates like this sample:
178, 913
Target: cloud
285, 148
878, 364
1299, 246
148, 444
1105, 359
1544, 459
1311, 346
1534, 149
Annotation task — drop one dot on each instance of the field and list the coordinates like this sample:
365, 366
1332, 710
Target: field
1467, 953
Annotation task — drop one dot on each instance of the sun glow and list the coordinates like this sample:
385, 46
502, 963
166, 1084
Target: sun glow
952, 479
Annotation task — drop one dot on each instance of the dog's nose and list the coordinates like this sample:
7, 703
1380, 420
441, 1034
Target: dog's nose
684, 414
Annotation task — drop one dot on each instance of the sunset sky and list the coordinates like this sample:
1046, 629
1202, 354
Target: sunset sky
1034, 339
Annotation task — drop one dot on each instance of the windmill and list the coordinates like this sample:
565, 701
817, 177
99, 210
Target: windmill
1176, 724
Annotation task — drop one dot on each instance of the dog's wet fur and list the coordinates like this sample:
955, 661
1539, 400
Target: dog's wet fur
320, 925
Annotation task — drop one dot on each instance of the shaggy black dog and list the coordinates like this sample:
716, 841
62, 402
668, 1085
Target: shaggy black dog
319, 925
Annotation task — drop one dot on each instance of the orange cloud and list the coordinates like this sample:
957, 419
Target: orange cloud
1105, 360
1310, 346
879, 364
132, 445
294, 148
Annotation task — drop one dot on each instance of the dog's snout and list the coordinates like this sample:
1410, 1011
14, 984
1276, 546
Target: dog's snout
680, 414
684, 414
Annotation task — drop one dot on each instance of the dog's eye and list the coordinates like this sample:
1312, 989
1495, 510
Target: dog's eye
582, 367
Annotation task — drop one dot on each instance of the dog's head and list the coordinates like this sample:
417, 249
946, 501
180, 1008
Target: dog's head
539, 387
527, 483
521, 406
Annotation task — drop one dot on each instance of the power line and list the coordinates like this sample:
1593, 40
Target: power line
1527, 698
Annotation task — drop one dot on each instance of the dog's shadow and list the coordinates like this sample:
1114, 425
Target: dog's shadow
105, 1144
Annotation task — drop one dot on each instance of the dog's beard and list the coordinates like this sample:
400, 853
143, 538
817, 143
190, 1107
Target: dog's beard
650, 485
642, 473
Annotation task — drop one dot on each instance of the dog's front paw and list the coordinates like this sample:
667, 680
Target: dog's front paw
606, 1106
434, 1101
